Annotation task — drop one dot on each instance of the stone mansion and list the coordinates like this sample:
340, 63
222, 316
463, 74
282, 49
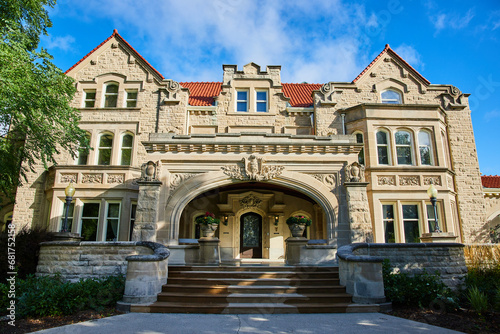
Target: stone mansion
355, 157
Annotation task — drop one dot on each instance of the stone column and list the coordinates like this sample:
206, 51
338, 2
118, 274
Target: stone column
147, 211
209, 250
360, 221
294, 246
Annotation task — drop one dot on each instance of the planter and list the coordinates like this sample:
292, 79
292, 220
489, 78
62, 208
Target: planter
208, 230
297, 230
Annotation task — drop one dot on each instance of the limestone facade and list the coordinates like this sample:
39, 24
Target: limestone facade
255, 151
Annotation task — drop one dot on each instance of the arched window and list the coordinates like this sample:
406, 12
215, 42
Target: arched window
361, 155
403, 148
383, 148
126, 149
82, 154
104, 150
425, 148
391, 96
111, 95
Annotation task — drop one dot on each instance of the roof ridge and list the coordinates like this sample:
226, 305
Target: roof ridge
116, 34
386, 49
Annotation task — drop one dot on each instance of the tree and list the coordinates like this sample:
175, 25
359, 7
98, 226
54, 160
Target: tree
36, 119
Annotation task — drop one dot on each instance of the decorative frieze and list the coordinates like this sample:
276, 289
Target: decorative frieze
68, 178
409, 180
386, 180
250, 201
92, 178
253, 169
116, 178
435, 180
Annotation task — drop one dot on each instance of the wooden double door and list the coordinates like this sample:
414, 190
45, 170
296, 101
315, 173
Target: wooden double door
251, 236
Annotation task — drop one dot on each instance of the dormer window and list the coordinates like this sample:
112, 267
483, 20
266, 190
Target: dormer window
242, 100
89, 101
391, 96
261, 100
111, 95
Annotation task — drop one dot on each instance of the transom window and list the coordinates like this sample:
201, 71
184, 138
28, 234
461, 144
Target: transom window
89, 99
382, 148
111, 95
105, 147
131, 99
391, 96
242, 100
261, 101
404, 148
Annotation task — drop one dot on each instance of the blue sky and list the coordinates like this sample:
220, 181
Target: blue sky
448, 42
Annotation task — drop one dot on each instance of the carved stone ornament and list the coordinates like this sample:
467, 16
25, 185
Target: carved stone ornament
329, 180
68, 178
250, 201
150, 171
386, 181
116, 178
92, 178
355, 172
409, 181
253, 169
178, 178
436, 180
327, 88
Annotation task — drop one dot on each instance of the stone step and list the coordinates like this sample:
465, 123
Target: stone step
334, 269
252, 274
254, 281
244, 308
231, 298
276, 289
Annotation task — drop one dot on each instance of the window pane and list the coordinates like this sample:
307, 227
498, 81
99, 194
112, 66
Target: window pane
126, 157
106, 140
89, 229
410, 211
127, 141
388, 211
383, 158
425, 155
412, 234
132, 219
104, 157
403, 138
261, 96
131, 95
424, 139
404, 155
82, 157
390, 96
111, 101
90, 210
241, 106
431, 218
359, 138
381, 137
261, 106
90, 95
113, 89
390, 236
114, 210
361, 156
112, 230
242, 95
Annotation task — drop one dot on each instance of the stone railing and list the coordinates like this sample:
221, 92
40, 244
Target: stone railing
144, 264
360, 265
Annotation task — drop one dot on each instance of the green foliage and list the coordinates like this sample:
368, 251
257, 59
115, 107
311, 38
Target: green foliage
51, 295
419, 289
477, 299
486, 281
207, 219
36, 120
27, 247
299, 220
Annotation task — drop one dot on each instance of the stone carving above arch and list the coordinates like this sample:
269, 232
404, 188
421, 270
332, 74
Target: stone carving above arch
176, 179
329, 180
250, 201
355, 172
253, 169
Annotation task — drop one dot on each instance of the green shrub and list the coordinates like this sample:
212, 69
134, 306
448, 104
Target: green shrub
419, 289
477, 299
486, 281
51, 295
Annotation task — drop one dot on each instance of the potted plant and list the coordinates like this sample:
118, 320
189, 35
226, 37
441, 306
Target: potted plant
208, 224
297, 225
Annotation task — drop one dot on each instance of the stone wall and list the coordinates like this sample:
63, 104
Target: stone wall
445, 258
75, 260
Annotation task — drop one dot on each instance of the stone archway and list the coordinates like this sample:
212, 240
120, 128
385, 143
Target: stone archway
194, 186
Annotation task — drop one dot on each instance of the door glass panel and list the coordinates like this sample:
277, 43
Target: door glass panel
251, 231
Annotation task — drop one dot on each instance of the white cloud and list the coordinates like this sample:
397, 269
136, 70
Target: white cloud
452, 20
59, 42
410, 55
192, 38
488, 116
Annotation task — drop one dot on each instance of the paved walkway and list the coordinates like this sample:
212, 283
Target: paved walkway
147, 323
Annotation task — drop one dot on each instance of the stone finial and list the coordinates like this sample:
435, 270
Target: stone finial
355, 172
150, 171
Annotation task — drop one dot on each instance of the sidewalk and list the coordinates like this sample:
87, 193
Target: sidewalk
154, 323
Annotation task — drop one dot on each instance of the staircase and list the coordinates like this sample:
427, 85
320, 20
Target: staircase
253, 289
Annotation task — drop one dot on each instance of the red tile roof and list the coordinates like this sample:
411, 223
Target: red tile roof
490, 181
202, 93
388, 49
116, 34
300, 94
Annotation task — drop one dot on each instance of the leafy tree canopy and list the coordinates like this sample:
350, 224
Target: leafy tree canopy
36, 119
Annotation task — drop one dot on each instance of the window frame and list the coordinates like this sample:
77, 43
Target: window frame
430, 146
100, 148
410, 145
257, 101
107, 218
122, 148
387, 145
106, 94
79, 153
86, 99
361, 154
82, 217
127, 99
246, 101
391, 100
